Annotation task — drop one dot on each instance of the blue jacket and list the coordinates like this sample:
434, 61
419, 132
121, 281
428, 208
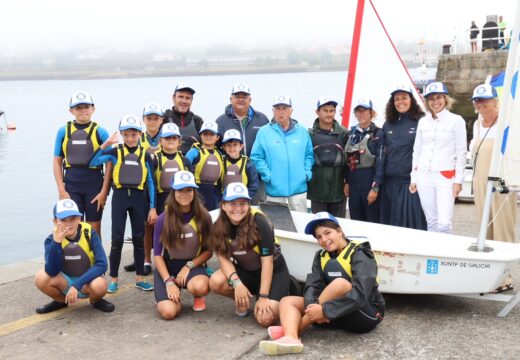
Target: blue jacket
228, 120
283, 160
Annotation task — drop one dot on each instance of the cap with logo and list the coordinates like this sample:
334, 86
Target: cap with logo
65, 208
183, 179
282, 100
130, 122
182, 86
484, 91
209, 126
231, 134
170, 129
325, 101
318, 218
435, 88
240, 88
152, 109
363, 103
402, 88
80, 98
235, 191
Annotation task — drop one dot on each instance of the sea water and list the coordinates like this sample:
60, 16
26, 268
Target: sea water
38, 108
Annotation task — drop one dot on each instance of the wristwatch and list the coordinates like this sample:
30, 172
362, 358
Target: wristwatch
190, 264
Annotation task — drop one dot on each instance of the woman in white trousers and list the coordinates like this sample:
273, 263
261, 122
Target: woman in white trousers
439, 158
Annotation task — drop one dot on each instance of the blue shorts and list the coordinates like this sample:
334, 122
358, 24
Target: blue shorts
70, 281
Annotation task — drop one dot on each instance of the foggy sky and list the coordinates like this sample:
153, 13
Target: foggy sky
131, 24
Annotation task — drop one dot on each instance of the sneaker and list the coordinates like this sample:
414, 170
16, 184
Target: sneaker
147, 269
50, 307
104, 305
129, 267
284, 345
199, 304
275, 332
113, 287
241, 312
143, 285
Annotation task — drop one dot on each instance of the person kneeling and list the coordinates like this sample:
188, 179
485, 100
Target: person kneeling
257, 266
179, 245
341, 292
74, 262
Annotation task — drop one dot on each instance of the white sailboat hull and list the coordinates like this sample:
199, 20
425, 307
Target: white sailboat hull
411, 261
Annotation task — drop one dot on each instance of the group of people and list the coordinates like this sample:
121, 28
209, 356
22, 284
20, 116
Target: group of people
167, 175
474, 31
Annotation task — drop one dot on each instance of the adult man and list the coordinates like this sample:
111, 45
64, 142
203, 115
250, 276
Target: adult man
189, 124
241, 116
282, 154
74, 262
326, 188
502, 28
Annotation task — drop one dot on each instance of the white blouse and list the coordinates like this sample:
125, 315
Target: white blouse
440, 144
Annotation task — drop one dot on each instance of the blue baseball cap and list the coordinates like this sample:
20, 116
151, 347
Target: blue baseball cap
152, 109
80, 98
130, 122
183, 179
170, 129
402, 88
484, 91
318, 218
65, 208
235, 191
325, 101
435, 88
364, 103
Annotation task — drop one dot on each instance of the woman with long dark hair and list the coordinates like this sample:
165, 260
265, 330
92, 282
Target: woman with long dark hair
180, 236
400, 207
251, 262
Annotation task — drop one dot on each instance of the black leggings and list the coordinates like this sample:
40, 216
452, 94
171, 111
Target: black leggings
131, 201
359, 321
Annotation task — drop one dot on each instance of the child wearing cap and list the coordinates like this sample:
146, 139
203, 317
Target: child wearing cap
251, 262
208, 164
341, 291
75, 144
75, 262
152, 118
237, 167
180, 248
132, 172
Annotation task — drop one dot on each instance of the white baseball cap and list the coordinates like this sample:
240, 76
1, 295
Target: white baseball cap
282, 100
66, 208
79, 98
240, 88
152, 108
183, 179
402, 87
231, 134
130, 122
184, 86
236, 190
170, 129
484, 91
325, 101
209, 126
435, 88
364, 103
318, 218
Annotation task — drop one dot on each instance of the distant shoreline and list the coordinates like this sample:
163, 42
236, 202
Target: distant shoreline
123, 74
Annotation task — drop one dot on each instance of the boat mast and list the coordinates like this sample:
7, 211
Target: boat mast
495, 181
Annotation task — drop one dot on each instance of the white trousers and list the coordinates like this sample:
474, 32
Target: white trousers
436, 194
296, 202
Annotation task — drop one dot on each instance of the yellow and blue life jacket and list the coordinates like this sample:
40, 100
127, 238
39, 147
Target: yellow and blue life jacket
77, 256
130, 170
79, 145
166, 169
234, 172
192, 244
149, 148
210, 167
